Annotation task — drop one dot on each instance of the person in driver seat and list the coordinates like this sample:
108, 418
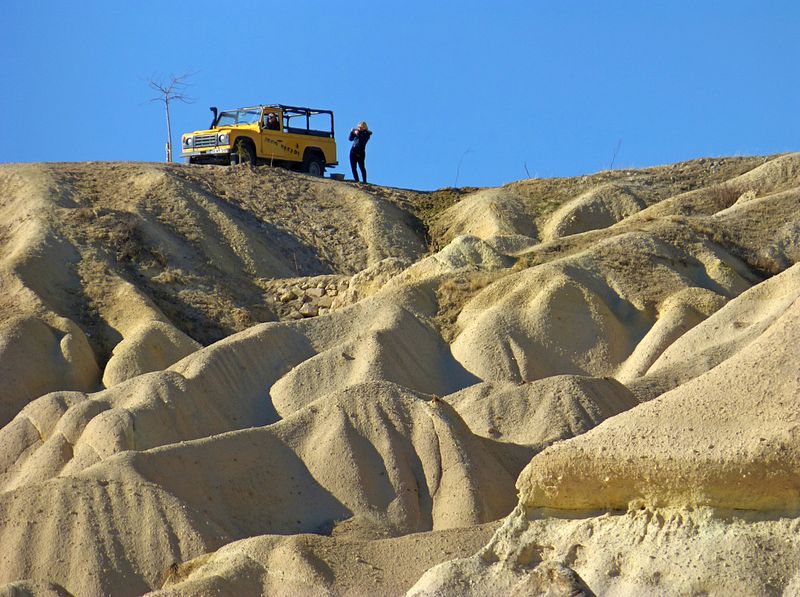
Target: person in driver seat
272, 122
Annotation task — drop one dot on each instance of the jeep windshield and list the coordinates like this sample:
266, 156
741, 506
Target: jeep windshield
234, 117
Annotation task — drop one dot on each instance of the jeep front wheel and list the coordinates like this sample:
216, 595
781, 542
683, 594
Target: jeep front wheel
243, 152
314, 164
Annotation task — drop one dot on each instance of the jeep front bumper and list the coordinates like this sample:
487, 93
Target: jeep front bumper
217, 150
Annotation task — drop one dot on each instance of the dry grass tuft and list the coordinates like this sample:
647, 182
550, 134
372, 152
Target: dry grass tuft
428, 206
177, 572
724, 195
454, 293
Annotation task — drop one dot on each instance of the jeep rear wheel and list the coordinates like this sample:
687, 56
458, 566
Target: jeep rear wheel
314, 164
243, 152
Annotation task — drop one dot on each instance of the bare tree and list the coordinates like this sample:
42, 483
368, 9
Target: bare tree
614, 154
458, 168
172, 90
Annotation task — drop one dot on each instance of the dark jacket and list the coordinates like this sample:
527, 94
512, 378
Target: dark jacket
359, 139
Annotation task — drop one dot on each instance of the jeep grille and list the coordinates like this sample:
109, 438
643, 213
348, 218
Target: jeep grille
202, 141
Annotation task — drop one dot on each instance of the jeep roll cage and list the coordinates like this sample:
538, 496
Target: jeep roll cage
289, 112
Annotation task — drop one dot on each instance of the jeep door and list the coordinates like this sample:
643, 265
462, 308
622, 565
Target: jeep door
274, 142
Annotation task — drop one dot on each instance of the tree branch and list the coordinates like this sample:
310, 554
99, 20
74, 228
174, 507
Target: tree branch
173, 90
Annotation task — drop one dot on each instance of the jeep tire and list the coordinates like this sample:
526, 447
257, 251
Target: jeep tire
243, 152
314, 164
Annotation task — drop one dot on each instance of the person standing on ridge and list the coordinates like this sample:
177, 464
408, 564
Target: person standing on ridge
358, 152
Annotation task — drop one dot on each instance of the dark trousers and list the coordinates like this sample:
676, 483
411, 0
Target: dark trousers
357, 157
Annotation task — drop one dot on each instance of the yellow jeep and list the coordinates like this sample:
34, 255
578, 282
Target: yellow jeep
296, 138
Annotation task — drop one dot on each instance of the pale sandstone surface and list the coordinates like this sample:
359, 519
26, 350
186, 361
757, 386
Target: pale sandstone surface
598, 208
541, 412
27, 588
116, 246
153, 346
318, 565
399, 461
24, 342
587, 313
93, 538
244, 380
700, 485
725, 332
640, 552
729, 438
490, 213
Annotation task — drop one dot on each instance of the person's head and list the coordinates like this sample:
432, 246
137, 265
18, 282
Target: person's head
362, 126
271, 116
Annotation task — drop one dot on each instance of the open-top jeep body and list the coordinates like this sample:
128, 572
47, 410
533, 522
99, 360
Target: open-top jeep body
302, 139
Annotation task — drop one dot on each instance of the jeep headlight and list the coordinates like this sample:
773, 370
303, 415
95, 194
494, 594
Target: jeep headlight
222, 138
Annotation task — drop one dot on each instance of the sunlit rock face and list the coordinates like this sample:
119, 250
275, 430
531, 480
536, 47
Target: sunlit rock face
251, 381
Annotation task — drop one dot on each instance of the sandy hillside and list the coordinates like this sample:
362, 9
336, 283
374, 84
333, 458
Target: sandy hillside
230, 381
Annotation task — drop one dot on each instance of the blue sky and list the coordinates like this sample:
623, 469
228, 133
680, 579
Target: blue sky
457, 93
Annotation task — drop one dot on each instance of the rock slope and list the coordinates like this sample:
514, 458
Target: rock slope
244, 380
